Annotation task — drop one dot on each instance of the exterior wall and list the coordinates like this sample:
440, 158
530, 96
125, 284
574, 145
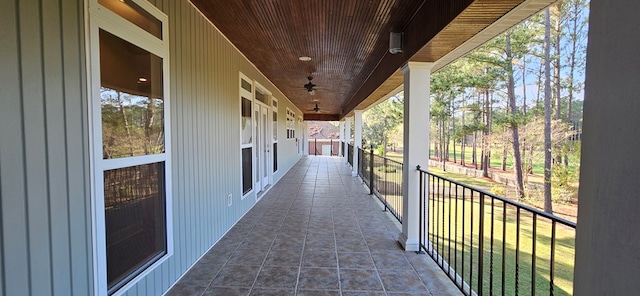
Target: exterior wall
607, 235
45, 235
44, 162
316, 146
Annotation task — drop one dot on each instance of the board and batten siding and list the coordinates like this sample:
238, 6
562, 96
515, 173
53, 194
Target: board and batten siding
45, 183
45, 237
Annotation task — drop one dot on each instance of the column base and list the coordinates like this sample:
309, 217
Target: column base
408, 244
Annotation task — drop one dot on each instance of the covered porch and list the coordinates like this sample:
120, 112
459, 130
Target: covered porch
315, 232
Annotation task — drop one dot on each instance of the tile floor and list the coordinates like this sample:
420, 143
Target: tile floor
315, 232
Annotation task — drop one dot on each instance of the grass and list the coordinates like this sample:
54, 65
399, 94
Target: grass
496, 159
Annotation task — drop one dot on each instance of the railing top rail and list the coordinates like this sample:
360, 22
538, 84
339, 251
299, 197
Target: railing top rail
388, 159
513, 203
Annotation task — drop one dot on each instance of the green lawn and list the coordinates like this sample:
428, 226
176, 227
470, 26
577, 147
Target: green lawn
496, 159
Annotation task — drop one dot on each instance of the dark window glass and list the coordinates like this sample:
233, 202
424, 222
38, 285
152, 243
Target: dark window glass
135, 14
275, 157
245, 85
134, 203
131, 99
261, 97
247, 165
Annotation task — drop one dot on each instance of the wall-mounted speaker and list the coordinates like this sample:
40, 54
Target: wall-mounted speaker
395, 42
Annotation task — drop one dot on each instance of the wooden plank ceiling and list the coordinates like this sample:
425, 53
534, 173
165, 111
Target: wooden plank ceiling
347, 41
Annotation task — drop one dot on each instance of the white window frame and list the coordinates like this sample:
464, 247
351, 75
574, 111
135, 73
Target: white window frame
248, 95
98, 18
274, 110
291, 124
257, 87
300, 138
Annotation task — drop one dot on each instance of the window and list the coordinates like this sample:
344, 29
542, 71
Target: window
274, 126
131, 155
291, 124
246, 129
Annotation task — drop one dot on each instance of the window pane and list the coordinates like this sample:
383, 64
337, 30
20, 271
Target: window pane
131, 99
247, 165
275, 157
245, 85
261, 97
135, 14
246, 121
134, 203
275, 126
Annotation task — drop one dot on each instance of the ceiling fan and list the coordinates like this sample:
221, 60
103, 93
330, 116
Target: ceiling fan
316, 109
310, 87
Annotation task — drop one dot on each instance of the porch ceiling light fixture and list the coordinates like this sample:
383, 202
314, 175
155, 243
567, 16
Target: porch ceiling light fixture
304, 58
395, 42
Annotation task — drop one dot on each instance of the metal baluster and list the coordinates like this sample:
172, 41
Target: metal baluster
552, 262
481, 247
533, 254
504, 242
517, 250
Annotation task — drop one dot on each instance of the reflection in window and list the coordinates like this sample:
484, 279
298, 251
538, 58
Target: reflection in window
131, 125
135, 14
246, 121
134, 202
275, 126
131, 99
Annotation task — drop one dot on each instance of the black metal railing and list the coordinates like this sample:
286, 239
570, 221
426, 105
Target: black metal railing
383, 176
362, 166
350, 154
489, 245
388, 184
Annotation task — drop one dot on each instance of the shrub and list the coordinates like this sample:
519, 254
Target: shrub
498, 190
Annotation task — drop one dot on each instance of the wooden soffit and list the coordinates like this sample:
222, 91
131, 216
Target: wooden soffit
348, 42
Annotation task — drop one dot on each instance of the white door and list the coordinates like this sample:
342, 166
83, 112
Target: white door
262, 146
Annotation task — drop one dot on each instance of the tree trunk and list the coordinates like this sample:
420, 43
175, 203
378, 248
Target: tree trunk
148, 125
517, 165
485, 137
504, 149
453, 128
474, 149
384, 144
524, 86
547, 114
557, 77
126, 124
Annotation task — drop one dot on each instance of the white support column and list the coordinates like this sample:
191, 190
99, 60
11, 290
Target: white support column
305, 139
415, 147
347, 137
357, 140
607, 234
341, 129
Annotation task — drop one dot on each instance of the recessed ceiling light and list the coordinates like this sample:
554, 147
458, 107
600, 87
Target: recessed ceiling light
304, 58
142, 79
